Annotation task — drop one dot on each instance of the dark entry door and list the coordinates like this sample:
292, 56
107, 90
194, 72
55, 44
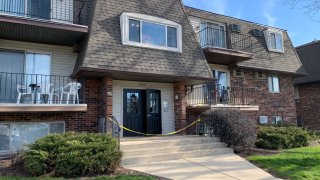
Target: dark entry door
153, 111
133, 111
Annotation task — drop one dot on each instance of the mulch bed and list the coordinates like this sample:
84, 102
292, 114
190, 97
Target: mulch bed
258, 151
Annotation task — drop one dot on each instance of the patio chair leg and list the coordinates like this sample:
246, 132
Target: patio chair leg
18, 98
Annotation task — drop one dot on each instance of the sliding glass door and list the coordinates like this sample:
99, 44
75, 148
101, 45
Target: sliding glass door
21, 68
11, 73
212, 35
30, 8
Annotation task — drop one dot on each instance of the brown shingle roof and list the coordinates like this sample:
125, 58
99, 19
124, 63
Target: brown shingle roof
287, 62
310, 57
104, 48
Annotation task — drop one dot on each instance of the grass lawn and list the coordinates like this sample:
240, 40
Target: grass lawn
300, 163
128, 177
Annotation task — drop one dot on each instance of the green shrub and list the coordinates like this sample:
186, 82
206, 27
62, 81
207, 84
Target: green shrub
271, 137
73, 154
232, 126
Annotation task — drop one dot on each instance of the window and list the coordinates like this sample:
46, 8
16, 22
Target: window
150, 32
14, 136
296, 92
273, 82
260, 75
37, 68
238, 73
274, 40
276, 120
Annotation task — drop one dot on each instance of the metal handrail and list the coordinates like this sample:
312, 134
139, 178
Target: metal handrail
24, 88
116, 128
212, 37
62, 11
211, 94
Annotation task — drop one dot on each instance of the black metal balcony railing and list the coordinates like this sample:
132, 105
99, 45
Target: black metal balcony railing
39, 89
210, 94
69, 11
211, 37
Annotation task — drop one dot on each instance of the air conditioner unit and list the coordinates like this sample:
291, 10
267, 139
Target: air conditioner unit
235, 27
263, 119
257, 32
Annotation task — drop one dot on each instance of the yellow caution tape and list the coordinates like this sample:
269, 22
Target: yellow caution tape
147, 134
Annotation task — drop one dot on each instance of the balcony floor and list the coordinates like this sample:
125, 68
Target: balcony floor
10, 107
225, 56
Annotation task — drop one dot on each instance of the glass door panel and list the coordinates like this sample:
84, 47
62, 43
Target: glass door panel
11, 74
39, 8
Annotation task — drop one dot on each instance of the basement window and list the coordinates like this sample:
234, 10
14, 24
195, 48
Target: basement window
14, 136
150, 32
276, 120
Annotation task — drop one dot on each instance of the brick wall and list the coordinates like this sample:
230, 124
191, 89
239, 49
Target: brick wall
180, 105
271, 104
308, 105
75, 121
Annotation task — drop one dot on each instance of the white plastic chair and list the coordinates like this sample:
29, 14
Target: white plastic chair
24, 91
71, 89
45, 89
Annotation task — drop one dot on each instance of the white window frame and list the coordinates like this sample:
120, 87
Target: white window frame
124, 23
271, 84
10, 130
261, 73
235, 72
267, 35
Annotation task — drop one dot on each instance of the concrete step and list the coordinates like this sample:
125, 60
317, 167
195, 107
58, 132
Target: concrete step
165, 142
173, 149
174, 156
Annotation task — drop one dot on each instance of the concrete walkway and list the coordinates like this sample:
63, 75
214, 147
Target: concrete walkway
227, 166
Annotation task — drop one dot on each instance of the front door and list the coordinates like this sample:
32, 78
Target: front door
142, 111
133, 111
153, 111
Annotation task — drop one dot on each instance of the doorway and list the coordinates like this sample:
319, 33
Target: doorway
142, 111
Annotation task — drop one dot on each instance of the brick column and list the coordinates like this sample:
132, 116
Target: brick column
180, 105
107, 100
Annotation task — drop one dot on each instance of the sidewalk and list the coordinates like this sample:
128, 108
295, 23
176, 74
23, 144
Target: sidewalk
228, 166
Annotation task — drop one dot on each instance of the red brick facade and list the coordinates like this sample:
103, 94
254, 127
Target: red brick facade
107, 100
308, 105
271, 104
75, 121
180, 105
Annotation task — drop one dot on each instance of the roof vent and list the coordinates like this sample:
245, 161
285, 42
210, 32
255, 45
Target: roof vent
257, 32
235, 27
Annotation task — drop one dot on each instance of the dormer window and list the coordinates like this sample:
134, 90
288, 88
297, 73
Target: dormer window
274, 40
150, 32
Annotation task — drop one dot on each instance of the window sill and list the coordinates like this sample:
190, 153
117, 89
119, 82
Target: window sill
149, 46
276, 51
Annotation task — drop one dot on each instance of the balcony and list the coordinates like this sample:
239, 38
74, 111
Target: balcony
213, 96
40, 93
225, 47
61, 22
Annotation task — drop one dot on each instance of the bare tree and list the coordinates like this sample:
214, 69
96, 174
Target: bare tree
312, 7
